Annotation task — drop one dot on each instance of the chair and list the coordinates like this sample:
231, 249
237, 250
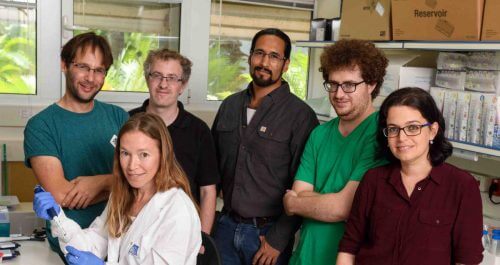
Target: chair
211, 255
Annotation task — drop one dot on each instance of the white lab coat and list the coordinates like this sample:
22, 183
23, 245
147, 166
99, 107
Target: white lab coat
166, 231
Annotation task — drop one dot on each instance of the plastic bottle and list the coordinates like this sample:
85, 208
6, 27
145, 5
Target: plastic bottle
486, 240
495, 245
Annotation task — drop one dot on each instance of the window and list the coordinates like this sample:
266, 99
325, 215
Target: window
132, 28
232, 26
18, 47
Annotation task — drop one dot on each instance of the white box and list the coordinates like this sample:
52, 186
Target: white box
417, 77
463, 103
490, 113
391, 78
437, 94
475, 118
449, 112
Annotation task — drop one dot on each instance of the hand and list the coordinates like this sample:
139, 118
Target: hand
266, 255
290, 195
85, 189
202, 250
77, 257
44, 201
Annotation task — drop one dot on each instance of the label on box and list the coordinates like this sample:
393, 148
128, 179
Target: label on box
380, 9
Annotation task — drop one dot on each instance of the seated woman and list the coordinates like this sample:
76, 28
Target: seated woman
150, 217
417, 209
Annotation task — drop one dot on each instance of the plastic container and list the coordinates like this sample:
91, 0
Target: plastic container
495, 245
4, 223
485, 239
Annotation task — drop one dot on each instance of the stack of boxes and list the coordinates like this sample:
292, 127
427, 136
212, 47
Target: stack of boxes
468, 93
427, 20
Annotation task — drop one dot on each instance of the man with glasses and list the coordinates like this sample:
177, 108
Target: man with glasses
70, 144
167, 74
259, 134
339, 152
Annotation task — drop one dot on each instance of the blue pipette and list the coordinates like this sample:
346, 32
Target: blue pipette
52, 212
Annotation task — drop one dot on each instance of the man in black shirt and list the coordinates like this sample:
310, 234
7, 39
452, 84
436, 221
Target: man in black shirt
167, 73
259, 135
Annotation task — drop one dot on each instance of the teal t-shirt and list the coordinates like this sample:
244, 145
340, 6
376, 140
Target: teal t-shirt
83, 142
328, 162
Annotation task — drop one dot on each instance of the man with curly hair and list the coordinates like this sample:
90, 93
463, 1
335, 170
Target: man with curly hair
339, 152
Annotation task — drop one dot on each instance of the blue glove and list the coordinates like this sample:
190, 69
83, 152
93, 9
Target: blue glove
44, 201
77, 257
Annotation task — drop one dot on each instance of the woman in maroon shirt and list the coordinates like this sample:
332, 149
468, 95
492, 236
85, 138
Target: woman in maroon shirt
417, 209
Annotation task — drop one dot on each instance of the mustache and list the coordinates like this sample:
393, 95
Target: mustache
258, 68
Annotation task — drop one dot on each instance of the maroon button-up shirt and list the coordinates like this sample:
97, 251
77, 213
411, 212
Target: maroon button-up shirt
441, 223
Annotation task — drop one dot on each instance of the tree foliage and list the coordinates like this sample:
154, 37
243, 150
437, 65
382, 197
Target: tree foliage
17, 58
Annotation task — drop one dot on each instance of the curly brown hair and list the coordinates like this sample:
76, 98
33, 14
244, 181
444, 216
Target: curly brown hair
349, 53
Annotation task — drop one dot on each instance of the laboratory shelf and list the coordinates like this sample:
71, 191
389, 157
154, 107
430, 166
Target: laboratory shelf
418, 45
476, 149
322, 44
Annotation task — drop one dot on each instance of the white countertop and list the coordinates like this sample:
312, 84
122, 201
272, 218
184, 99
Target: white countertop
35, 252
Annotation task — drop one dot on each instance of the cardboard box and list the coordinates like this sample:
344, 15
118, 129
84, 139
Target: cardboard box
437, 19
366, 19
491, 23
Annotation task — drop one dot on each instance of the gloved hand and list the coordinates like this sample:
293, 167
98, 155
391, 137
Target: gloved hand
77, 257
42, 202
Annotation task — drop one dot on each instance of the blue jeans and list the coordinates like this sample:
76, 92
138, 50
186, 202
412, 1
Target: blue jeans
238, 242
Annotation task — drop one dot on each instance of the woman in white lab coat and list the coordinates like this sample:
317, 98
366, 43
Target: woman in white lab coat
150, 218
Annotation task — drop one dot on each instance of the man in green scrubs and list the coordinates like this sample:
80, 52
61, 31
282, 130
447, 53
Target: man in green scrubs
339, 152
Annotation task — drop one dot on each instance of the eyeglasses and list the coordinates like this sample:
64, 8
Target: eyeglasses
85, 68
410, 130
158, 78
274, 58
347, 87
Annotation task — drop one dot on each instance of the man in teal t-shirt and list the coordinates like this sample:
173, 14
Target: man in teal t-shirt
339, 152
70, 144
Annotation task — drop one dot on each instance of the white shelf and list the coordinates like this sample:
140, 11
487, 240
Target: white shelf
418, 45
453, 46
322, 44
476, 149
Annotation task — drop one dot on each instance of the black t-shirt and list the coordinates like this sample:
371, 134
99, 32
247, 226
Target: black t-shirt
193, 147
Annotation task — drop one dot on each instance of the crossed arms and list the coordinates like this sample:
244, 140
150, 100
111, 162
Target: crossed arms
77, 193
328, 207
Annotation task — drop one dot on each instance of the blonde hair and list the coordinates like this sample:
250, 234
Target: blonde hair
169, 174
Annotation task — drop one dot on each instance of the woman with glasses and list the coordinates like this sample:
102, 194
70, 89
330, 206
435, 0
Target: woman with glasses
150, 218
417, 209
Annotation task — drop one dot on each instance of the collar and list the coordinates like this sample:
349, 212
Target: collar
394, 176
182, 120
277, 95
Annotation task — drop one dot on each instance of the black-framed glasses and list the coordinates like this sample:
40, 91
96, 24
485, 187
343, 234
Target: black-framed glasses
347, 87
273, 56
410, 130
157, 78
85, 68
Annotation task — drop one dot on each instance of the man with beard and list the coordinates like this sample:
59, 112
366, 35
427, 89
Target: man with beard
259, 136
70, 144
339, 152
167, 74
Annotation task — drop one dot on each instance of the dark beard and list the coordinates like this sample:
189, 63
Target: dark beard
263, 82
